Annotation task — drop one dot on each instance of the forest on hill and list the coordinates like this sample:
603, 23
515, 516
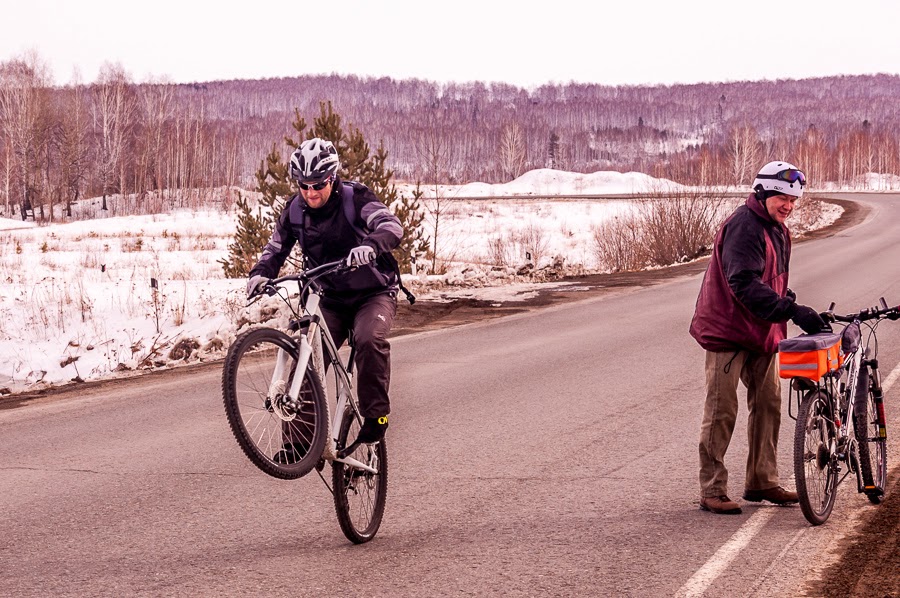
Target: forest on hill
147, 139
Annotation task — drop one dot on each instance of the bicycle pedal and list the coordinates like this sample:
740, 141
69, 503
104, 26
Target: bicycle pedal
346, 451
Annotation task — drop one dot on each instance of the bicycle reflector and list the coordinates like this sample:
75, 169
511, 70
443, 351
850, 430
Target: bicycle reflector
809, 355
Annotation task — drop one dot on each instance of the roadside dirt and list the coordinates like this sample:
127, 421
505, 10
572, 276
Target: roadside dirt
430, 315
870, 557
870, 565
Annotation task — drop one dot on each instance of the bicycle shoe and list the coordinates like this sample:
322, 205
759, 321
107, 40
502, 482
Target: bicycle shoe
372, 431
291, 453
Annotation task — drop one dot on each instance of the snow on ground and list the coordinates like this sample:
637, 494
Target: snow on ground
868, 182
500, 231
11, 224
77, 300
545, 181
99, 298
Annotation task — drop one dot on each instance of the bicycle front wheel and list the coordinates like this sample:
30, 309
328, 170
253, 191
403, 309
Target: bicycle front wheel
282, 437
359, 495
815, 462
871, 442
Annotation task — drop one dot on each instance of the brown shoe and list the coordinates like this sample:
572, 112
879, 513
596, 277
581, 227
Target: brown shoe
721, 505
776, 496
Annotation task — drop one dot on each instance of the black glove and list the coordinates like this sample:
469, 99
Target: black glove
791, 295
809, 320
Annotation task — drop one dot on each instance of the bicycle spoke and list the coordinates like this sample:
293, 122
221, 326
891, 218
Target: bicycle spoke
869, 427
359, 495
283, 437
815, 465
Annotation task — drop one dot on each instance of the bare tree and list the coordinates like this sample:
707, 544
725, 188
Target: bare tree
22, 84
436, 154
74, 141
812, 155
188, 138
744, 153
155, 109
513, 153
113, 114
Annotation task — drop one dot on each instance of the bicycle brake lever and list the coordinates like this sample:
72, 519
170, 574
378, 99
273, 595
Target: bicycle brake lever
828, 314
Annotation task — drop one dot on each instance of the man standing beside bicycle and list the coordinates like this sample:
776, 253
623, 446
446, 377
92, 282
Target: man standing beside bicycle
332, 220
741, 314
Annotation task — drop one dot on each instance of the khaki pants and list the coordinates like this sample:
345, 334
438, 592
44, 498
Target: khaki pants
759, 373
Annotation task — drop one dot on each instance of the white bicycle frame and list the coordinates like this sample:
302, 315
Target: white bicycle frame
847, 431
843, 387
311, 348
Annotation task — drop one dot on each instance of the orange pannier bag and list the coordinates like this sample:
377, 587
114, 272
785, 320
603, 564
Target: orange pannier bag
809, 355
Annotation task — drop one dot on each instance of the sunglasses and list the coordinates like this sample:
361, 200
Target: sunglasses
791, 175
316, 186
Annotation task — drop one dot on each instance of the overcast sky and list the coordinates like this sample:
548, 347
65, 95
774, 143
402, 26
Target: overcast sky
524, 43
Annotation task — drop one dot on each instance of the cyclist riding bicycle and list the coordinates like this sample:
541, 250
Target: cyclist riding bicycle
332, 219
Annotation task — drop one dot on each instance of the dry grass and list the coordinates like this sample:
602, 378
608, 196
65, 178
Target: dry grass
619, 244
526, 245
675, 227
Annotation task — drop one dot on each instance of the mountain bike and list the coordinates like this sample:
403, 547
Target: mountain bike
277, 403
841, 427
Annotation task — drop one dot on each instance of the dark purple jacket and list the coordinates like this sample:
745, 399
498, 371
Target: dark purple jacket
742, 302
325, 235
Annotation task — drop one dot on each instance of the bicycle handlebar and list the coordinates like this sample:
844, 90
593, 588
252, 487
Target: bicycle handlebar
871, 313
312, 273
304, 278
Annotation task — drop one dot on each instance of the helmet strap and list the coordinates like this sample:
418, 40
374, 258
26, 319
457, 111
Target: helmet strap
760, 193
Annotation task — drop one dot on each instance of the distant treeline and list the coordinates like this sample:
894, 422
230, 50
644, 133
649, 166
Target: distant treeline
117, 136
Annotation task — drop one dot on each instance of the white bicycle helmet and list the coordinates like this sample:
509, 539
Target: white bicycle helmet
314, 161
779, 178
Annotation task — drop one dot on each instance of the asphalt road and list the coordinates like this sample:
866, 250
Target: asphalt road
550, 453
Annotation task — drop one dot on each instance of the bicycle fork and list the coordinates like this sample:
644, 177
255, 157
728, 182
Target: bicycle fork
878, 398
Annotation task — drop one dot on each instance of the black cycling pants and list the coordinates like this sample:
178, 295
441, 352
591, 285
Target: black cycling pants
371, 321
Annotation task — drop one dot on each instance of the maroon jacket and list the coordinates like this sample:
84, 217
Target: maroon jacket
742, 302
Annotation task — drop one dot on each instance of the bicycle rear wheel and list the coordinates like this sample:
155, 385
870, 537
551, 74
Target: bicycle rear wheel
871, 443
283, 438
815, 463
359, 496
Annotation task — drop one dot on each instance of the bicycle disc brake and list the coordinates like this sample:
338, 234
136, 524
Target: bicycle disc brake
280, 403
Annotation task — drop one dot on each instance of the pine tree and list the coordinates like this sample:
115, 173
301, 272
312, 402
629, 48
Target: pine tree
357, 164
414, 244
252, 229
553, 151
